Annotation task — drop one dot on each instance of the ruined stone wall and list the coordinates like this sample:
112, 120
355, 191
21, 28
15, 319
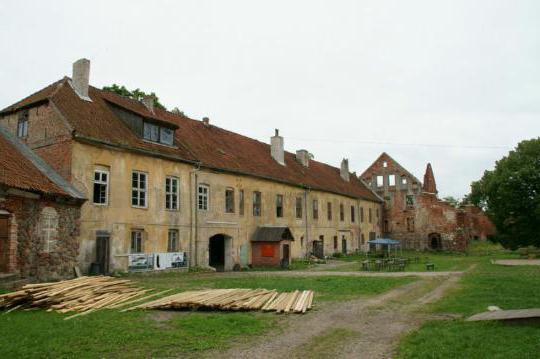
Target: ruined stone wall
32, 260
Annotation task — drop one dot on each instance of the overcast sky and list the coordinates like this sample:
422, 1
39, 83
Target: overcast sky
454, 83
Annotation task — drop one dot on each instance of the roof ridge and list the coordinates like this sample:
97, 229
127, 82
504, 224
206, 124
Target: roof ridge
15, 106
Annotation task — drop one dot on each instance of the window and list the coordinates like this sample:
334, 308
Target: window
386, 226
101, 184
385, 164
315, 209
353, 214
156, 133
267, 250
362, 214
380, 181
49, 228
136, 241
377, 214
138, 189
257, 199
166, 135
171, 193
279, 205
335, 242
370, 216
202, 197
363, 238
329, 210
392, 180
409, 200
410, 224
229, 200
172, 241
341, 212
298, 206
403, 180
241, 202
22, 125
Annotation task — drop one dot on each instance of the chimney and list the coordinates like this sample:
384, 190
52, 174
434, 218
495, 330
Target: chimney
148, 102
277, 148
206, 121
81, 77
302, 156
344, 172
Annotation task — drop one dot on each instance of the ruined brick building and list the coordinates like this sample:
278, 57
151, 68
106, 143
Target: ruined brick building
39, 215
414, 214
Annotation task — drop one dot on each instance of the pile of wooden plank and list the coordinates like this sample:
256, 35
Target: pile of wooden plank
82, 295
235, 299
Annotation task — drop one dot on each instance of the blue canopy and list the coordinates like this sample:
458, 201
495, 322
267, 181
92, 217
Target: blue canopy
387, 241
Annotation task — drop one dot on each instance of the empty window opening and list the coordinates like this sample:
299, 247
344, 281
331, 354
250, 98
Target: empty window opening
101, 186
229, 200
279, 205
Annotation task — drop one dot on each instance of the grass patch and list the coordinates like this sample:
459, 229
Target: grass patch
488, 284
325, 287
124, 335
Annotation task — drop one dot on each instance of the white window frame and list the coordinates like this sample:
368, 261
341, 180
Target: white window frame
101, 182
49, 228
203, 197
380, 181
392, 180
139, 190
170, 195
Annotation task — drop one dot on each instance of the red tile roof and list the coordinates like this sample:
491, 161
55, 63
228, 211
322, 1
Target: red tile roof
211, 146
18, 171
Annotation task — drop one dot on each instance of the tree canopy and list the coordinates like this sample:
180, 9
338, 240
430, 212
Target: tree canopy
136, 94
510, 194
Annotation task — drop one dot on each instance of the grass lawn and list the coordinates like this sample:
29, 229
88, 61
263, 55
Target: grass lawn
109, 333
488, 284
326, 288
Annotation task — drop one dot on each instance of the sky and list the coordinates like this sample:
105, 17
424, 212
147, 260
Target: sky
455, 83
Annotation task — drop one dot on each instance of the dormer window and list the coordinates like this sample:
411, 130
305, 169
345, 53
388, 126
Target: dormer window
156, 133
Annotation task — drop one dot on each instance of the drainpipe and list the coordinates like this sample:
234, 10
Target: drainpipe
194, 215
306, 190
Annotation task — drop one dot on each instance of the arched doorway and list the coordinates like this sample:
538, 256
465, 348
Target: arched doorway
219, 252
434, 241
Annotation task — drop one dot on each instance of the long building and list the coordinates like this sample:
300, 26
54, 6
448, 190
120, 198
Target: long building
158, 182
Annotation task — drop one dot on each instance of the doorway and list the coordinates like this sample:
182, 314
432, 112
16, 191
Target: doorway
216, 252
343, 245
434, 241
102, 251
4, 247
318, 249
285, 260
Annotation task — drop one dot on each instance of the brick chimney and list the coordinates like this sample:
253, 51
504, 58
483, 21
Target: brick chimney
148, 102
344, 171
81, 77
302, 156
206, 121
277, 148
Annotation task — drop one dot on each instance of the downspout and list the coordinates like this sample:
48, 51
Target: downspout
194, 215
306, 190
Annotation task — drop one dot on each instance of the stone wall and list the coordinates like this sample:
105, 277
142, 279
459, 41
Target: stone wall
26, 236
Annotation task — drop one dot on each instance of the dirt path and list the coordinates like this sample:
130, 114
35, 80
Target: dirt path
362, 328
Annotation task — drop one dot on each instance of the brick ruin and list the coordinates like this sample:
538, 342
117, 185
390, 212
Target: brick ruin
415, 215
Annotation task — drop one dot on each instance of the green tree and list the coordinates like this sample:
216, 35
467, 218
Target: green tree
136, 94
510, 194
452, 200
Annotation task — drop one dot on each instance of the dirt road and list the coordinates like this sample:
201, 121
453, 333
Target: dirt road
362, 328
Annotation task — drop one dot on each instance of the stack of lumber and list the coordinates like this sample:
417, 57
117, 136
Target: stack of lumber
235, 299
82, 295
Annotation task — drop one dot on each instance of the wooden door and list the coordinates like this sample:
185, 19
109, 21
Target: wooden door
102, 252
4, 247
